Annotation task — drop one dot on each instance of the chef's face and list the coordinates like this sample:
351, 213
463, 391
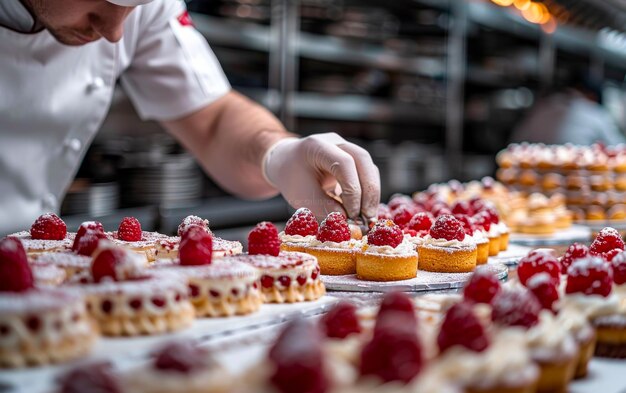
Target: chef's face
78, 22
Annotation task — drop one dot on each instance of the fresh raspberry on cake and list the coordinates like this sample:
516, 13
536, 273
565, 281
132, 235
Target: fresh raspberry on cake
476, 204
516, 308
196, 247
544, 288
491, 211
297, 360
619, 269
462, 207
182, 356
609, 255
89, 225
482, 220
15, 272
394, 353
590, 276
573, 252
263, 239
48, 227
129, 230
461, 327
482, 287
334, 228
115, 263
447, 227
190, 221
536, 262
402, 215
607, 240
341, 321
385, 233
302, 223
88, 242
467, 222
421, 222
397, 303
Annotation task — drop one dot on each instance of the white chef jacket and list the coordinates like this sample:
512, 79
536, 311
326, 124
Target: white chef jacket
53, 98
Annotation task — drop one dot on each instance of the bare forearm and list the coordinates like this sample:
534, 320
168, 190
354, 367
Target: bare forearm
229, 138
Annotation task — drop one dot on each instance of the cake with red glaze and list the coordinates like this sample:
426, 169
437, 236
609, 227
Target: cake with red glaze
300, 231
386, 255
130, 236
447, 248
217, 288
47, 234
127, 300
38, 325
167, 248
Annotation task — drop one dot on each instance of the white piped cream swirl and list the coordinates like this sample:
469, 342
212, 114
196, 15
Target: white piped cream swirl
468, 242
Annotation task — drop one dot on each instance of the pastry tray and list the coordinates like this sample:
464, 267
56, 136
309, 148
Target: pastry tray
597, 225
576, 233
512, 255
425, 281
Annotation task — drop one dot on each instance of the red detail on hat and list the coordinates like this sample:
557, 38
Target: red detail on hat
185, 19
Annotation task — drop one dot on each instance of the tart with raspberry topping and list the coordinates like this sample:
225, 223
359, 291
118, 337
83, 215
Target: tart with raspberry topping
127, 300
289, 277
167, 248
334, 247
386, 255
130, 236
47, 234
70, 262
447, 248
38, 325
300, 231
217, 288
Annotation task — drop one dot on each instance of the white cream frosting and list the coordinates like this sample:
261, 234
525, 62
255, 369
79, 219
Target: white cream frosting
351, 244
468, 242
502, 228
493, 231
549, 339
295, 238
592, 306
576, 323
404, 248
480, 237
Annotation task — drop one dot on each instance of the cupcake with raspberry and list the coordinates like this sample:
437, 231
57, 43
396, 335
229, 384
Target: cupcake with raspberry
217, 288
299, 232
447, 249
386, 255
608, 242
477, 362
479, 236
483, 221
286, 276
551, 345
418, 227
333, 246
127, 300
180, 367
130, 236
167, 248
38, 325
47, 234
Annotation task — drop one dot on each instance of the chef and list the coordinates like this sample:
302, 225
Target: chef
59, 62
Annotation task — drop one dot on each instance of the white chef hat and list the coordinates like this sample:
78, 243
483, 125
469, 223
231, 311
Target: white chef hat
130, 3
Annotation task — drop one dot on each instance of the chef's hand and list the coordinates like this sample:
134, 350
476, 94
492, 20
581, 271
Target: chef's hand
325, 173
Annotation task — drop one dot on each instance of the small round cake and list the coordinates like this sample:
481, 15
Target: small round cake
168, 248
447, 249
147, 246
47, 234
70, 262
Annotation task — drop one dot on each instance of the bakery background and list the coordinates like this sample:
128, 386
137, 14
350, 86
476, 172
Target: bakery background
432, 88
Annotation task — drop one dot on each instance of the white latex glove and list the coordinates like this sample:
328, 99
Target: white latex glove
307, 170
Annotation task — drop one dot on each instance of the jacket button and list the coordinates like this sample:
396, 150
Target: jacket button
96, 84
74, 144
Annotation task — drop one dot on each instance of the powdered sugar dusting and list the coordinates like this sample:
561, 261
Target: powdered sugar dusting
539, 279
219, 269
31, 244
582, 267
46, 274
193, 220
148, 239
36, 301
63, 259
285, 260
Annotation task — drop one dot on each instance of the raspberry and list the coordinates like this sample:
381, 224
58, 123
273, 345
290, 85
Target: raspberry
397, 303
573, 252
476, 204
190, 221
402, 215
15, 272
591, 276
607, 240
543, 287
181, 356
298, 361
447, 227
482, 220
111, 263
196, 247
87, 243
263, 239
302, 223
467, 222
462, 207
394, 353
609, 255
491, 211
536, 262
334, 228
95, 377
129, 230
619, 269
383, 212
461, 327
516, 308
89, 225
399, 200
421, 222
385, 233
441, 211
48, 227
341, 321
482, 287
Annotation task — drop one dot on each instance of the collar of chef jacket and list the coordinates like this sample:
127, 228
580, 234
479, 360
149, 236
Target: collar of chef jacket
55, 97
